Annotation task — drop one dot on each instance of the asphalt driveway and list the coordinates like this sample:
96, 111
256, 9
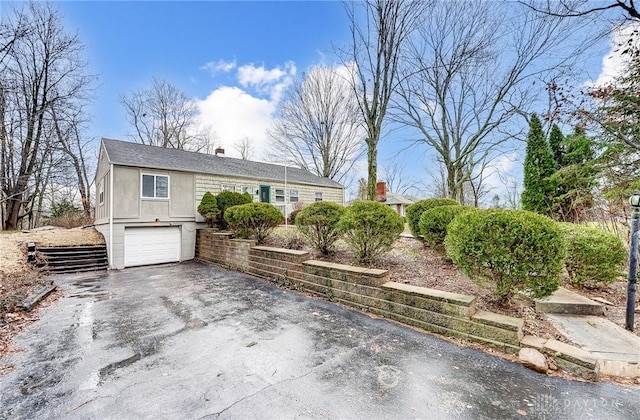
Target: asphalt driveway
194, 341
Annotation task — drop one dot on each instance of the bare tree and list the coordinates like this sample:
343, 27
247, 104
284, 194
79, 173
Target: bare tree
163, 115
377, 39
243, 146
396, 178
41, 71
580, 8
318, 127
67, 128
470, 71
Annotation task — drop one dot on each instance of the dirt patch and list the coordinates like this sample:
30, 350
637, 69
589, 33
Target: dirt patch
14, 244
19, 279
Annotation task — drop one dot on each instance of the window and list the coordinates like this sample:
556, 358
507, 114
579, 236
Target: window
101, 192
155, 186
293, 196
231, 188
279, 196
319, 196
247, 189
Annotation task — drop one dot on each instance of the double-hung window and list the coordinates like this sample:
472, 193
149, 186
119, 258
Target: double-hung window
155, 186
228, 187
319, 196
279, 196
293, 196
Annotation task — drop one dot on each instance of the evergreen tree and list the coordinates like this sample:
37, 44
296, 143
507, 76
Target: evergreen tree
556, 139
578, 148
538, 167
575, 180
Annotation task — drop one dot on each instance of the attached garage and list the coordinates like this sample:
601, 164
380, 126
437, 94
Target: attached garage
151, 245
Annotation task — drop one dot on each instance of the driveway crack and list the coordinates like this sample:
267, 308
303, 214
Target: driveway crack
217, 414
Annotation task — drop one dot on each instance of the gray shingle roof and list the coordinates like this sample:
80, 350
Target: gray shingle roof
140, 155
394, 198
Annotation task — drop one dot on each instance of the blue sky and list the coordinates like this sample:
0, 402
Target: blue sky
128, 42
234, 58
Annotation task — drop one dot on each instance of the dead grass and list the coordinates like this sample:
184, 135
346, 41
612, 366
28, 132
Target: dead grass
18, 279
13, 245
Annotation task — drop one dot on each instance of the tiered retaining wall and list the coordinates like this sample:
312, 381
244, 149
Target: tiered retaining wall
445, 313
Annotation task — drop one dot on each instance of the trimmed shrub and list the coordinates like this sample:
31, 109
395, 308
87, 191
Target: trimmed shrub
292, 216
255, 220
208, 208
434, 221
318, 223
508, 251
370, 229
593, 256
415, 210
227, 199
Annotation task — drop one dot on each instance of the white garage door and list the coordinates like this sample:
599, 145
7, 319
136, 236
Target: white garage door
151, 245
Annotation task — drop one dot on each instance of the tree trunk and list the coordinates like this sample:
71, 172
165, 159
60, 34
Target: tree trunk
372, 170
14, 204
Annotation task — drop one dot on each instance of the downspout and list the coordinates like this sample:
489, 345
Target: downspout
111, 216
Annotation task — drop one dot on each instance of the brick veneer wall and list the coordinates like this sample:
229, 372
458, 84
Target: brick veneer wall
449, 314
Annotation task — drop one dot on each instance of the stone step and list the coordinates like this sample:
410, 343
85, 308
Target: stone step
564, 301
77, 269
74, 259
617, 349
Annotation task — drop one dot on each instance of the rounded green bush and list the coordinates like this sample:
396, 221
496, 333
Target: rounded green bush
508, 251
318, 223
253, 220
208, 208
593, 256
415, 210
370, 229
292, 216
434, 221
227, 199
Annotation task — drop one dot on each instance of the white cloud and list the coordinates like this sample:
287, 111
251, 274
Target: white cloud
272, 82
233, 114
214, 67
614, 63
250, 75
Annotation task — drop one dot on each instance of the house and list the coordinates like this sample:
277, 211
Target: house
395, 201
147, 197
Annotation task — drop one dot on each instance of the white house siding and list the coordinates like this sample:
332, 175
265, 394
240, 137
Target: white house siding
306, 193
102, 175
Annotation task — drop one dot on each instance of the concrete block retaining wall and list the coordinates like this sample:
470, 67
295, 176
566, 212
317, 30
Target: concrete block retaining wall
369, 289
219, 248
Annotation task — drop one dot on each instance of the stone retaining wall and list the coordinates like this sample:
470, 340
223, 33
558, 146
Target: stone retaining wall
449, 314
220, 248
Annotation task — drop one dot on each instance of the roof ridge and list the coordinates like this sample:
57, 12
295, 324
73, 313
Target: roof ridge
144, 155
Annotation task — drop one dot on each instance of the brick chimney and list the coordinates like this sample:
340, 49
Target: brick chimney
381, 191
219, 151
